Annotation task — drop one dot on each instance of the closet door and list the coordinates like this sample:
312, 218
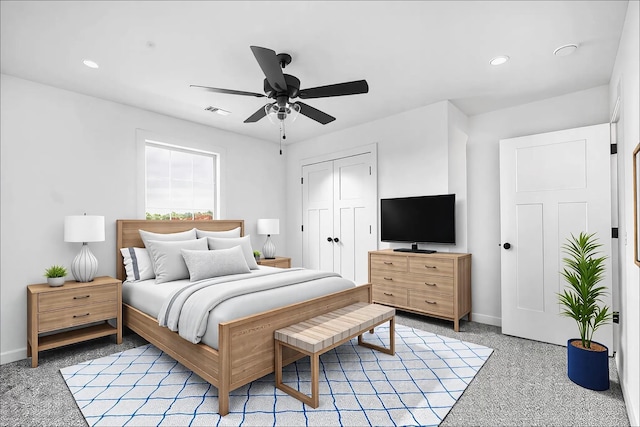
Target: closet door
339, 215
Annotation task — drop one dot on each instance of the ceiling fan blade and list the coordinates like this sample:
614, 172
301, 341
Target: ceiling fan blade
315, 114
229, 91
270, 65
339, 89
257, 115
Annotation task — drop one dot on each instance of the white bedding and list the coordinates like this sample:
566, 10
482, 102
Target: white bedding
149, 297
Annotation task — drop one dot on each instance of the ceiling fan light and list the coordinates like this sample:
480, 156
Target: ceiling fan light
293, 110
277, 114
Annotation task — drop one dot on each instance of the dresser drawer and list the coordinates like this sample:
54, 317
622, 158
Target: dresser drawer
49, 301
431, 265
431, 302
413, 281
388, 262
390, 294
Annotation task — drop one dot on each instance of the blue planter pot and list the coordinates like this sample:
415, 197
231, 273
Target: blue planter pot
587, 368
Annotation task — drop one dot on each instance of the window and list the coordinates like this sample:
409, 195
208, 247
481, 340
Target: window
180, 183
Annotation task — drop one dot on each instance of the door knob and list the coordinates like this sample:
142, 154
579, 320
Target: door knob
506, 245
335, 239
329, 239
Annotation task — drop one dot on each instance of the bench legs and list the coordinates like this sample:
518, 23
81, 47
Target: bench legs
313, 400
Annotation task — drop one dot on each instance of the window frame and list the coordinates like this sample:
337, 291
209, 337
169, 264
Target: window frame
182, 144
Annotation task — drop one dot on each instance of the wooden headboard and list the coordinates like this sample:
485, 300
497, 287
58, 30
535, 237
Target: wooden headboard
128, 235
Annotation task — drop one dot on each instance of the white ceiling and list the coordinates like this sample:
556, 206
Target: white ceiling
411, 53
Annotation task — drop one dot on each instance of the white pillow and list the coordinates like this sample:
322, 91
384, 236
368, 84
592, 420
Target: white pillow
167, 259
164, 237
228, 233
137, 264
216, 243
207, 264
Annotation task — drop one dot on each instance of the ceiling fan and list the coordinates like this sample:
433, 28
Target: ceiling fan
284, 87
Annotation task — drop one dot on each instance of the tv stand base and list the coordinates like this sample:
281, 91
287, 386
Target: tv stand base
416, 251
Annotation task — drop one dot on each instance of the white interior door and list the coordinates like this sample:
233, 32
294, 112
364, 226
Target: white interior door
339, 215
317, 208
551, 185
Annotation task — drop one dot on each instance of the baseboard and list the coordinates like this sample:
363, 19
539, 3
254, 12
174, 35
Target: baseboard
487, 320
12, 356
634, 419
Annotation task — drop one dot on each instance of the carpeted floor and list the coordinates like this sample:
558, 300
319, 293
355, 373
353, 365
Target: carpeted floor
523, 383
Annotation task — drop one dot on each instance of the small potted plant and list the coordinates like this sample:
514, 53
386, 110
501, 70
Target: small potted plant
55, 275
257, 255
587, 360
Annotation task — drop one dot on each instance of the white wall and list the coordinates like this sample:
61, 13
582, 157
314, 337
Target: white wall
63, 153
625, 83
413, 160
483, 179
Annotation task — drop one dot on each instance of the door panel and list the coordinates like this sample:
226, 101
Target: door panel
551, 185
317, 208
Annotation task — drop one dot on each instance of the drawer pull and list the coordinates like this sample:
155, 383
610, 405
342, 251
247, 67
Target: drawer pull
430, 302
388, 263
429, 284
75, 316
388, 294
430, 266
81, 297
388, 278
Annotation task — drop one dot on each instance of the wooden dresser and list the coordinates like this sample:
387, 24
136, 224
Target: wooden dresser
437, 284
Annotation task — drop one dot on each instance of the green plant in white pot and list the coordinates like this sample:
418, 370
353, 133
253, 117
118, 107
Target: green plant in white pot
587, 360
55, 275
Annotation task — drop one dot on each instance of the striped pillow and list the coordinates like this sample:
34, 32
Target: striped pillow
137, 264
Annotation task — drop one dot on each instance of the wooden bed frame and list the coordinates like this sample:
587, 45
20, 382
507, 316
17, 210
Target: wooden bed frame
246, 345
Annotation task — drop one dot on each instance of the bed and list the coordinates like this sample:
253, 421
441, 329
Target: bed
245, 346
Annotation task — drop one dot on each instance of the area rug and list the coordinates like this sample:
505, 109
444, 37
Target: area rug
358, 386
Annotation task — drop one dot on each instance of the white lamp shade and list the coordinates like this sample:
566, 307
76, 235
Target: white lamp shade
84, 228
269, 226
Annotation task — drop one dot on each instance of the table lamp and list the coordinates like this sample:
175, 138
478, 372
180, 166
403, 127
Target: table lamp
84, 228
269, 227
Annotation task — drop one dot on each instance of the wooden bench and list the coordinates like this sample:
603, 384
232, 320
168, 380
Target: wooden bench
320, 334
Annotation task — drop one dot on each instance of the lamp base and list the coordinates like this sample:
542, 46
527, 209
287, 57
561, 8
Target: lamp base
85, 265
269, 249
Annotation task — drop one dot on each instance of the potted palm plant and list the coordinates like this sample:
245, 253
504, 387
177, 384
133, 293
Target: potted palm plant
587, 360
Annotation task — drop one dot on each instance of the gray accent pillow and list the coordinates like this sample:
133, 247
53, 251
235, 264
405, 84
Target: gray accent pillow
207, 264
216, 243
167, 259
228, 233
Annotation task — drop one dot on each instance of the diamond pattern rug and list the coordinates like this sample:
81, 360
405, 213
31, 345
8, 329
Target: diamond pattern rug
358, 386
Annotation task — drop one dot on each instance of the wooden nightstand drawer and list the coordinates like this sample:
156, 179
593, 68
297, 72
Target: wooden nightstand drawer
59, 319
388, 262
431, 302
278, 262
431, 265
76, 297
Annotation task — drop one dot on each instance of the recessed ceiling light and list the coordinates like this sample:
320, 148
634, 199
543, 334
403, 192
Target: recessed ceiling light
499, 60
565, 50
89, 63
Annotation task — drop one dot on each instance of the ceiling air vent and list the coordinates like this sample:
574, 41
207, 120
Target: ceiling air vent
218, 110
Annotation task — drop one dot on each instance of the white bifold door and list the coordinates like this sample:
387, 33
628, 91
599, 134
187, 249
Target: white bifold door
551, 185
339, 205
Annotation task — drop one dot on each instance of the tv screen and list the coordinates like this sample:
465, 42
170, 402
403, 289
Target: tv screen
424, 219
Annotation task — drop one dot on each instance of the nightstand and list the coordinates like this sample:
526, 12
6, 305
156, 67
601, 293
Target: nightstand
51, 310
279, 261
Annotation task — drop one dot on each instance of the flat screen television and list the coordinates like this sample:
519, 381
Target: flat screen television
423, 219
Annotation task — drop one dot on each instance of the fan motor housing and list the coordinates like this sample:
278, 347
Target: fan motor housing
293, 87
